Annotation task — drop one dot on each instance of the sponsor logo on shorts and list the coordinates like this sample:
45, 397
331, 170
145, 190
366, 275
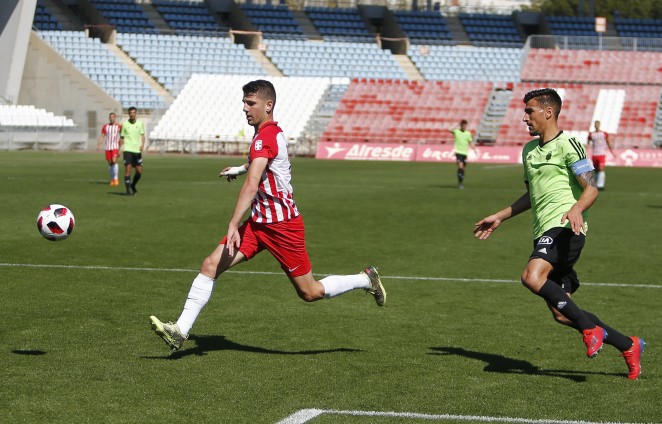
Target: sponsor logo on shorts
543, 250
545, 240
561, 305
293, 269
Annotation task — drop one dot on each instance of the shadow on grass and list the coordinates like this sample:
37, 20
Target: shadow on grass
444, 186
206, 344
29, 352
505, 365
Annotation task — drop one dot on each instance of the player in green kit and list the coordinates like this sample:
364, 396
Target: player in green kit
560, 189
132, 138
463, 139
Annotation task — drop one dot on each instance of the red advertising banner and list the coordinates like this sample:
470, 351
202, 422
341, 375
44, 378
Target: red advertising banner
636, 157
444, 153
366, 151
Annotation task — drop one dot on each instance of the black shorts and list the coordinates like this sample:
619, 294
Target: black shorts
561, 248
461, 158
133, 159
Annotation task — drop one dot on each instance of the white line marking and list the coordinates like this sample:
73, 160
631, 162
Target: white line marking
386, 277
304, 415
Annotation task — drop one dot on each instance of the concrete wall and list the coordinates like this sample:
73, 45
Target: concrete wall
51, 82
16, 18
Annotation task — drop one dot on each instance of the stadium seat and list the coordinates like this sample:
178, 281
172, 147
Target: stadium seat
94, 59
171, 59
408, 111
210, 105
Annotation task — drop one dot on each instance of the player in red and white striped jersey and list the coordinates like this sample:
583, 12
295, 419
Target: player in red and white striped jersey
600, 142
274, 224
274, 201
110, 133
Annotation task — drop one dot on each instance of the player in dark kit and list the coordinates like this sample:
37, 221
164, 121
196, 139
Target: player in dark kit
560, 190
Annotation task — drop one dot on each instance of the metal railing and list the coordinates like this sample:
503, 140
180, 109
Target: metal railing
567, 42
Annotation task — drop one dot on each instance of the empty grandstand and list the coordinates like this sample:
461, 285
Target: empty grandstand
193, 122
440, 65
172, 59
95, 60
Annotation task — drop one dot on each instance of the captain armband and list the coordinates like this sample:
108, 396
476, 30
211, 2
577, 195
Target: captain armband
582, 166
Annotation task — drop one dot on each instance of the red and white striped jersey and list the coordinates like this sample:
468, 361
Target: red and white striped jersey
112, 133
274, 201
599, 140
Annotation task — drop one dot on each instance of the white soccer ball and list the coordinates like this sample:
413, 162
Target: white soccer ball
55, 222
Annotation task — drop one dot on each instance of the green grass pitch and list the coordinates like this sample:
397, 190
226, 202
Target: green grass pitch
458, 338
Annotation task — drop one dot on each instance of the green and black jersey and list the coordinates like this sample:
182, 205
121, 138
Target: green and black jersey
550, 170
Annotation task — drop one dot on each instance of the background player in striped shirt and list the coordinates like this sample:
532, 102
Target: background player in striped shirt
110, 136
274, 224
559, 190
600, 141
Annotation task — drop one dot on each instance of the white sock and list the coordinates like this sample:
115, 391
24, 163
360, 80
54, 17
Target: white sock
601, 179
198, 297
335, 285
114, 172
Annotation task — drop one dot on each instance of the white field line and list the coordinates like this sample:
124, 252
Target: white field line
386, 277
304, 415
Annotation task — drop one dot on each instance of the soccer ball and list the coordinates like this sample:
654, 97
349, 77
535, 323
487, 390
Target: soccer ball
55, 222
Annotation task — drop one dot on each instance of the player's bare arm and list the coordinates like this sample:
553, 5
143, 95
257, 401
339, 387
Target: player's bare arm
609, 145
486, 226
585, 201
244, 201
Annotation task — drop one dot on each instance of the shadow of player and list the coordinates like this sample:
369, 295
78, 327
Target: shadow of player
505, 365
204, 344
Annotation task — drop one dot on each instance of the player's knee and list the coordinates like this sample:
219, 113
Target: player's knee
530, 279
209, 266
307, 297
310, 295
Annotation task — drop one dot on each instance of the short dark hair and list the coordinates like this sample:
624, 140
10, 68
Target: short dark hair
546, 97
262, 88
464, 121
133, 108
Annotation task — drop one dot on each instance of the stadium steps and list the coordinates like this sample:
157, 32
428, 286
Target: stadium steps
657, 128
159, 23
65, 16
265, 63
140, 72
408, 67
495, 111
457, 30
48, 75
325, 110
309, 30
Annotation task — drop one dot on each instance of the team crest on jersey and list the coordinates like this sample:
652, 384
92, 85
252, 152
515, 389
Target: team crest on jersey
258, 145
545, 240
549, 156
